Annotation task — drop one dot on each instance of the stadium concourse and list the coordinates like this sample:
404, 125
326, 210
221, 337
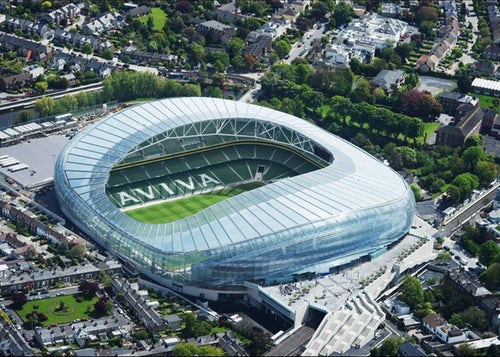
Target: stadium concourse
315, 202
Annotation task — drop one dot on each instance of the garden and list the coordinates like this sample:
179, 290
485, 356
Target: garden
59, 310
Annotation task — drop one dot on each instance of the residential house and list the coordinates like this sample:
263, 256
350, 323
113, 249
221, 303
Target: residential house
137, 56
12, 24
25, 252
217, 29
259, 48
26, 48
337, 55
38, 278
133, 298
439, 327
139, 11
467, 121
173, 322
60, 60
104, 24
285, 15
449, 333
491, 122
34, 70
273, 30
426, 63
11, 341
390, 9
228, 13
483, 68
451, 100
467, 283
389, 80
491, 52
63, 15
16, 81
491, 305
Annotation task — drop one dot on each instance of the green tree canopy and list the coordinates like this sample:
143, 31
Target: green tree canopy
282, 48
412, 292
489, 252
491, 277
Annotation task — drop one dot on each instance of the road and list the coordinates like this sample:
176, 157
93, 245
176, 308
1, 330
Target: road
302, 47
466, 58
466, 212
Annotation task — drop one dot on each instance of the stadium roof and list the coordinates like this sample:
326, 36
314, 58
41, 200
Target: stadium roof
353, 181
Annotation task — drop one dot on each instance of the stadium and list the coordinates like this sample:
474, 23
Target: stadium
205, 193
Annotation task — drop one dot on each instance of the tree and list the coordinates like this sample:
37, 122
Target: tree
465, 183
420, 104
105, 279
62, 248
141, 334
412, 292
41, 87
361, 92
343, 13
474, 140
444, 256
472, 155
473, 317
185, 349
78, 251
103, 306
282, 48
46, 5
24, 116
260, 342
464, 83
88, 287
19, 299
86, 49
426, 13
332, 82
489, 252
417, 191
486, 171
389, 347
107, 54
491, 277
45, 106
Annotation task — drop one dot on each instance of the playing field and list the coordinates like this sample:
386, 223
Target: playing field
183, 207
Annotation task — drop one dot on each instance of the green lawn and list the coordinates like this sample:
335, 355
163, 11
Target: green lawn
76, 310
429, 128
486, 101
159, 18
183, 207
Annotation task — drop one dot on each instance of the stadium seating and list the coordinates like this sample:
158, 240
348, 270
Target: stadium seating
228, 163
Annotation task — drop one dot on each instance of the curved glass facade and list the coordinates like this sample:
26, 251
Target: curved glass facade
352, 207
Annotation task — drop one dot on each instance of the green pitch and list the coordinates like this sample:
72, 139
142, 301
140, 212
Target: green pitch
183, 207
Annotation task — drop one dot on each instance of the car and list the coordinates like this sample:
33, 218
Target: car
446, 248
18, 327
46, 296
60, 293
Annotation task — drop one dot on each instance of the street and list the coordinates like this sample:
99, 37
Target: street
302, 47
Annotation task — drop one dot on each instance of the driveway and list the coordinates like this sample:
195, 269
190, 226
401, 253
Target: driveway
435, 85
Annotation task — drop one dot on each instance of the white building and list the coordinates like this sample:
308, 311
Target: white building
337, 55
377, 30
